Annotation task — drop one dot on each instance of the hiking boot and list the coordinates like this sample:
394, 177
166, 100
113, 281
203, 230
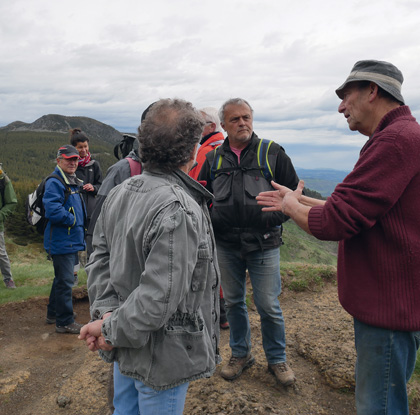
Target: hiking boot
10, 284
284, 375
51, 319
73, 328
236, 366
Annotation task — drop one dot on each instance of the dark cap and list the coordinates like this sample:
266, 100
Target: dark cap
67, 151
384, 74
143, 116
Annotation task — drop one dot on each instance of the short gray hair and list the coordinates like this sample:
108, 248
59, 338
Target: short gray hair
233, 101
168, 134
211, 114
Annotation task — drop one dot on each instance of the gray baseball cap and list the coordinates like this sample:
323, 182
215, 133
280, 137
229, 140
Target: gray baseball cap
67, 151
384, 74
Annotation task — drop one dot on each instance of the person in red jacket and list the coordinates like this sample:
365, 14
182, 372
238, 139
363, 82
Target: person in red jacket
210, 139
374, 214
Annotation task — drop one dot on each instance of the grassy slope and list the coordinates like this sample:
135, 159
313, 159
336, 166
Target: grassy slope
32, 272
301, 247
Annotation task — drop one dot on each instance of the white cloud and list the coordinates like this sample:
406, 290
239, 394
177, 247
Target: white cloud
109, 60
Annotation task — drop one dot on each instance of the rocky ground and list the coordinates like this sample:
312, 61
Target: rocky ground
42, 372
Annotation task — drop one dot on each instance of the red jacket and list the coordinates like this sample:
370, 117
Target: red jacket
375, 214
210, 144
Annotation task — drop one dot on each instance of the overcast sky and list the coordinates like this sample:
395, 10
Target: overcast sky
109, 60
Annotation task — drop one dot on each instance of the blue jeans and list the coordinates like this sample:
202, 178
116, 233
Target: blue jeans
384, 365
264, 272
132, 397
60, 303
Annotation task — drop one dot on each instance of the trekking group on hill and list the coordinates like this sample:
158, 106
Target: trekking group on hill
177, 225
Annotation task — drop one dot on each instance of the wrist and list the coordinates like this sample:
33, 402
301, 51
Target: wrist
290, 204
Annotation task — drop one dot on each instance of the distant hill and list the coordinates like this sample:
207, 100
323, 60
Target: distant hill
321, 180
62, 124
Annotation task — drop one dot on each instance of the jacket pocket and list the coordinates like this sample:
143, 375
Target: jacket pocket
183, 351
222, 186
71, 210
254, 184
199, 277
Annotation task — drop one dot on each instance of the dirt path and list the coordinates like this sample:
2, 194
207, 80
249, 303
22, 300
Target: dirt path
39, 367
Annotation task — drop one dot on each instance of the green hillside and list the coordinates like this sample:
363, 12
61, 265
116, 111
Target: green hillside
301, 247
30, 155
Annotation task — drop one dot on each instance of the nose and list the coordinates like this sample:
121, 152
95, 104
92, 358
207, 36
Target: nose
341, 107
241, 121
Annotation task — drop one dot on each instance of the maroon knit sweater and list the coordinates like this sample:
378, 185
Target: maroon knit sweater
375, 214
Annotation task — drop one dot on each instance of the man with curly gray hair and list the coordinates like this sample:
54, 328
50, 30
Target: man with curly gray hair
153, 279
169, 134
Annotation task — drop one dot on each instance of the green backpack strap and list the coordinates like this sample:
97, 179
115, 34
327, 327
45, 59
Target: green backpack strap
262, 156
216, 164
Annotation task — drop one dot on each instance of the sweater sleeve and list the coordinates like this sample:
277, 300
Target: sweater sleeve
385, 168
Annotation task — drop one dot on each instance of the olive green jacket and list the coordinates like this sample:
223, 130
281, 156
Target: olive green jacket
8, 202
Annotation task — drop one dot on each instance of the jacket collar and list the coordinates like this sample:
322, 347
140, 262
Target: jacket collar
70, 180
189, 184
226, 146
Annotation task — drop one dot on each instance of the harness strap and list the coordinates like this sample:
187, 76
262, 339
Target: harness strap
262, 159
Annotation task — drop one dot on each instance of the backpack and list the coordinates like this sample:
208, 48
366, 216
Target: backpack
124, 146
262, 158
34, 208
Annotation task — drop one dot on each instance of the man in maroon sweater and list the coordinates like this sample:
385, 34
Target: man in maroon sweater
374, 213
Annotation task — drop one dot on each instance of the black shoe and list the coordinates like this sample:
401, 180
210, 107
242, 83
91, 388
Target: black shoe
51, 319
73, 328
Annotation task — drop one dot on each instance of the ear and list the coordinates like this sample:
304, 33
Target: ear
223, 126
213, 127
194, 153
373, 91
